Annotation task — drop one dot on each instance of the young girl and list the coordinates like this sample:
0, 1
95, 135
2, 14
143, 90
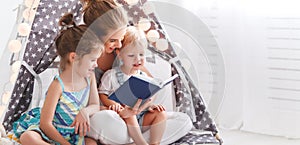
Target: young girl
72, 96
132, 59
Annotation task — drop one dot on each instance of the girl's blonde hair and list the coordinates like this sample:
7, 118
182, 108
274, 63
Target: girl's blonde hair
73, 38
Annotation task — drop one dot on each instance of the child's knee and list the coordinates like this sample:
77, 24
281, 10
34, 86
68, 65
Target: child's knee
162, 115
90, 141
31, 136
26, 136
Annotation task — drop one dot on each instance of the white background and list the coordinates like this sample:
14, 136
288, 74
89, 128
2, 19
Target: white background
8, 17
245, 31
260, 44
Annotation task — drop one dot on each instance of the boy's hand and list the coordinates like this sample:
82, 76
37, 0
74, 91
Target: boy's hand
159, 108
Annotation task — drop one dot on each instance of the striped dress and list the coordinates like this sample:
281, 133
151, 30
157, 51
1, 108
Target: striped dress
69, 105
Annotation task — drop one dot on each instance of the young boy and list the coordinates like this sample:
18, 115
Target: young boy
131, 58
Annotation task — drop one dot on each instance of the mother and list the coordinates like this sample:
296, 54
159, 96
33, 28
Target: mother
109, 22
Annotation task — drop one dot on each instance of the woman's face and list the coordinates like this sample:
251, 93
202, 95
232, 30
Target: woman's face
114, 41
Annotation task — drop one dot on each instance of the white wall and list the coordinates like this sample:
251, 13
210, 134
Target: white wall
271, 42
8, 18
223, 21
260, 42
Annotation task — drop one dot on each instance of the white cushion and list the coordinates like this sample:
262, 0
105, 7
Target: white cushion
108, 127
178, 125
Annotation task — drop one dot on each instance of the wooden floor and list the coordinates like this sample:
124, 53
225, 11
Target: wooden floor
234, 137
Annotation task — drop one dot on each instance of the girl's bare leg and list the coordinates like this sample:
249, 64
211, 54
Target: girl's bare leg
90, 141
32, 138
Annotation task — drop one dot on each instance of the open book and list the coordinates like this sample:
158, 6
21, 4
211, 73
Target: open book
138, 87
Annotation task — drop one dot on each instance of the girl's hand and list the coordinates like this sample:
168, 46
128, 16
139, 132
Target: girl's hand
81, 123
116, 107
159, 108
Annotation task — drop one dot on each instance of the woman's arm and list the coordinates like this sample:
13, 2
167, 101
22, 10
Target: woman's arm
147, 104
47, 113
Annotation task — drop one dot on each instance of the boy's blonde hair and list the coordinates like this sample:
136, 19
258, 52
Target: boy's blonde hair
134, 38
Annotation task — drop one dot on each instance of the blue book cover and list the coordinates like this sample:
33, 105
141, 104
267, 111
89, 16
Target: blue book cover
138, 87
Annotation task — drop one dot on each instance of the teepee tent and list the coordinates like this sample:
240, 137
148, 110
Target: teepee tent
39, 54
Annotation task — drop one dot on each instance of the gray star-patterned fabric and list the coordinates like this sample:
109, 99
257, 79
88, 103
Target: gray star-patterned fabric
197, 139
40, 54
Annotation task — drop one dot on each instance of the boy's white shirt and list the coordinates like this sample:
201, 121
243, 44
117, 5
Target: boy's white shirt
109, 81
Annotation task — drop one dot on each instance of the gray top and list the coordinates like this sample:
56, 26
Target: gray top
98, 75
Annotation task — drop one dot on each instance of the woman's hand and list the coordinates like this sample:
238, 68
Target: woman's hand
146, 105
81, 123
103, 108
159, 108
127, 111
116, 107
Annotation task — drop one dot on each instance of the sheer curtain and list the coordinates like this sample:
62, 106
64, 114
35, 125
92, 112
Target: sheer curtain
272, 35
217, 71
259, 44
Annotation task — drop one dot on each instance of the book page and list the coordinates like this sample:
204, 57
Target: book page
157, 81
148, 79
169, 80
